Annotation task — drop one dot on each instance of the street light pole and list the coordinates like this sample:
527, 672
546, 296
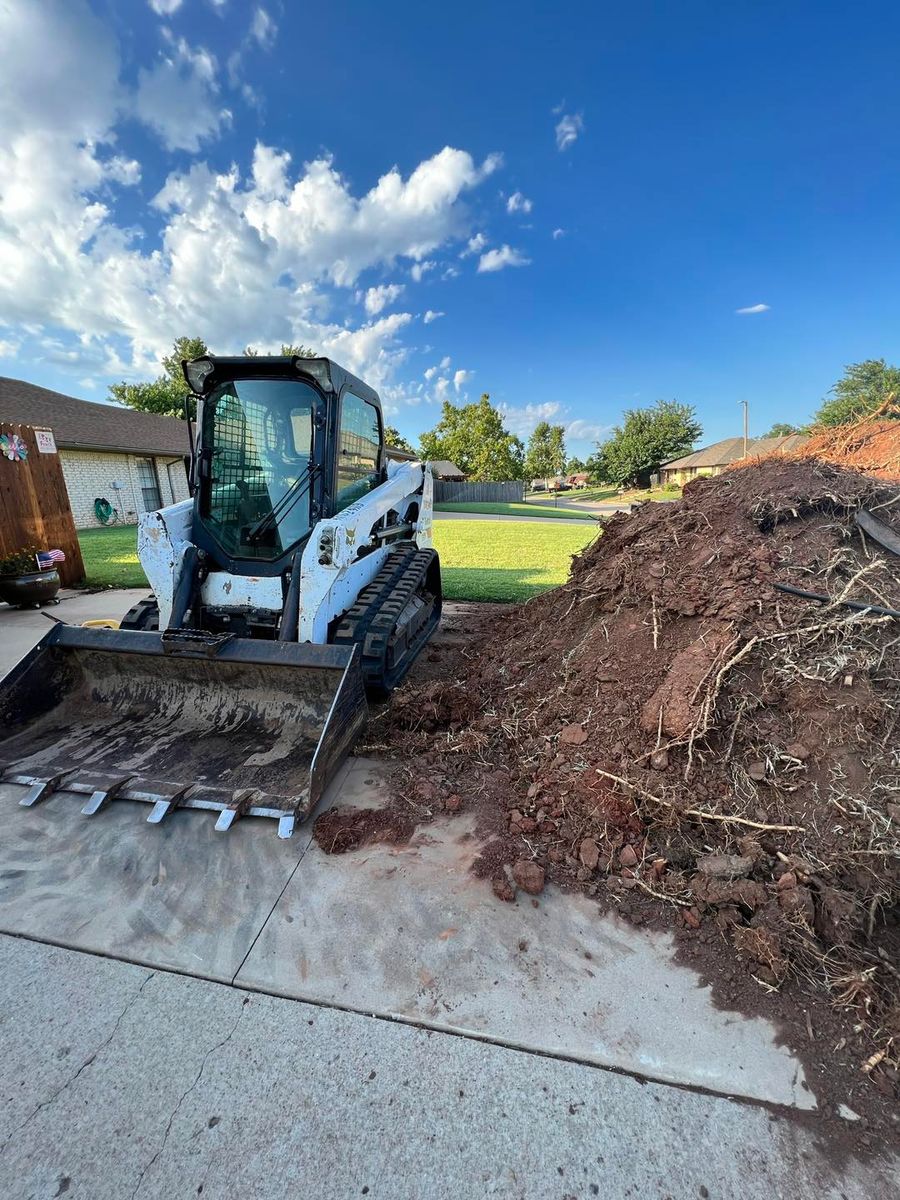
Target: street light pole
746, 425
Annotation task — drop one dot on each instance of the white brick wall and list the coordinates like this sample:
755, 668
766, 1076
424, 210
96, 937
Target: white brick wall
90, 474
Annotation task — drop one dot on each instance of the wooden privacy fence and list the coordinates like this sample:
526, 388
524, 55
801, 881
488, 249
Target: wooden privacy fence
34, 502
481, 493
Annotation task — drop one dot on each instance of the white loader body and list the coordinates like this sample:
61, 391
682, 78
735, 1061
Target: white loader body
333, 572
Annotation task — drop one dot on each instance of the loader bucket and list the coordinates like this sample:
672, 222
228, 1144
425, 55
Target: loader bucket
186, 719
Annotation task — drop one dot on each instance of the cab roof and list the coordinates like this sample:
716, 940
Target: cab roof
330, 376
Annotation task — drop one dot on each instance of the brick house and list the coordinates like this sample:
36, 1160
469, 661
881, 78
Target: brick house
132, 459
713, 460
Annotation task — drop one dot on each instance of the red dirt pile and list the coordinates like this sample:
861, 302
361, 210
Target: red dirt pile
670, 726
871, 446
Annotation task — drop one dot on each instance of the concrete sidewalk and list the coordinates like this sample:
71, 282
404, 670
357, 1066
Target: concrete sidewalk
21, 628
120, 1081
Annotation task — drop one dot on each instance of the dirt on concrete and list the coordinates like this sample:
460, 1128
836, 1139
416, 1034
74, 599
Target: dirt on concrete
673, 735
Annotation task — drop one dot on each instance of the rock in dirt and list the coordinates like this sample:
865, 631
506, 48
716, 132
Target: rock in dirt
628, 856
659, 760
573, 735
839, 916
725, 866
502, 888
745, 892
589, 853
797, 902
529, 875
675, 703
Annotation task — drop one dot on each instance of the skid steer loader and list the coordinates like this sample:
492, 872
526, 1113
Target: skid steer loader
298, 577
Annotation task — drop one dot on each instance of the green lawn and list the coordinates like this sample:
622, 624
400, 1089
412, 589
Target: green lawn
110, 557
511, 510
480, 560
505, 560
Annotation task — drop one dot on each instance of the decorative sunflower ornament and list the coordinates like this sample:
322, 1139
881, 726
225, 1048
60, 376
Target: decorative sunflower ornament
12, 446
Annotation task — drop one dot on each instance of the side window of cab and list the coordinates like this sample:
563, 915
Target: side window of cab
359, 450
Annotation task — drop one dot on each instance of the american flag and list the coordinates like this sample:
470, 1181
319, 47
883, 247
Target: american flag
47, 558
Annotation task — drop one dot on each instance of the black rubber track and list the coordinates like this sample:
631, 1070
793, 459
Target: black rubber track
394, 616
144, 616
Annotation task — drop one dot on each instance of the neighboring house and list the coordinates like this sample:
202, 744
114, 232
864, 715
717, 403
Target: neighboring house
579, 480
448, 471
134, 460
712, 460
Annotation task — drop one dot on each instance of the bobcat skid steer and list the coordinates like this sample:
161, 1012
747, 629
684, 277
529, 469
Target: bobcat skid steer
297, 578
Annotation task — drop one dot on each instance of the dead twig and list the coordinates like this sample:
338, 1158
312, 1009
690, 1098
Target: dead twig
699, 812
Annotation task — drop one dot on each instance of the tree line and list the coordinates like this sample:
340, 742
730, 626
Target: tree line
474, 436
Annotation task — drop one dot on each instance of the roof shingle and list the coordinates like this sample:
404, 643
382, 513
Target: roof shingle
86, 425
730, 450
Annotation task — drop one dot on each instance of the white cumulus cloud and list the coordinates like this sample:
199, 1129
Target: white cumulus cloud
177, 98
558, 233
522, 419
431, 315
752, 308
518, 203
380, 297
165, 8
497, 259
263, 29
586, 431
567, 130
474, 245
258, 253
460, 379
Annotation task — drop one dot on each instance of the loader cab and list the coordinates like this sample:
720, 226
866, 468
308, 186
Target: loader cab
282, 442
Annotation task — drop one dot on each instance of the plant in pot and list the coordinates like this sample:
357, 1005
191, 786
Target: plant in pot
23, 583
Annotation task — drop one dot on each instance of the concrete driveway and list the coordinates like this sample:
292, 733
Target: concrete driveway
188, 1013
22, 628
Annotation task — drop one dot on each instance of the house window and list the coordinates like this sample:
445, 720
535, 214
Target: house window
359, 447
149, 484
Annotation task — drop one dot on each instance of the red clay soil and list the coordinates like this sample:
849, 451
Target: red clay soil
870, 446
670, 733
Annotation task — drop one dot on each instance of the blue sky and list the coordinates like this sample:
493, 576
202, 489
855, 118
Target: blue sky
586, 193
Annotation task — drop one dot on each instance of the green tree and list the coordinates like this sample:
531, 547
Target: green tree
165, 394
286, 350
862, 388
646, 438
782, 429
474, 438
575, 466
546, 453
393, 437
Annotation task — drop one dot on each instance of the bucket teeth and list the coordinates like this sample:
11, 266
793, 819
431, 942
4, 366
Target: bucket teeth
101, 796
226, 819
40, 789
163, 805
160, 809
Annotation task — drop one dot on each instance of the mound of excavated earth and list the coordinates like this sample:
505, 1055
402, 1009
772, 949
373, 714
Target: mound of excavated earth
675, 734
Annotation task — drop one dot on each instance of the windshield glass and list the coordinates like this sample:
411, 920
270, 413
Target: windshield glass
258, 433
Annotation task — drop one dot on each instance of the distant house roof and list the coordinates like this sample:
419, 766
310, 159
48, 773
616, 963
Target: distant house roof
720, 454
86, 425
446, 470
399, 455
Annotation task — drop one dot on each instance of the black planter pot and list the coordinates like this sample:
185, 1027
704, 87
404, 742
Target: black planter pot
31, 590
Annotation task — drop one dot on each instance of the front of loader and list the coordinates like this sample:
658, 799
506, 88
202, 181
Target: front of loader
298, 576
